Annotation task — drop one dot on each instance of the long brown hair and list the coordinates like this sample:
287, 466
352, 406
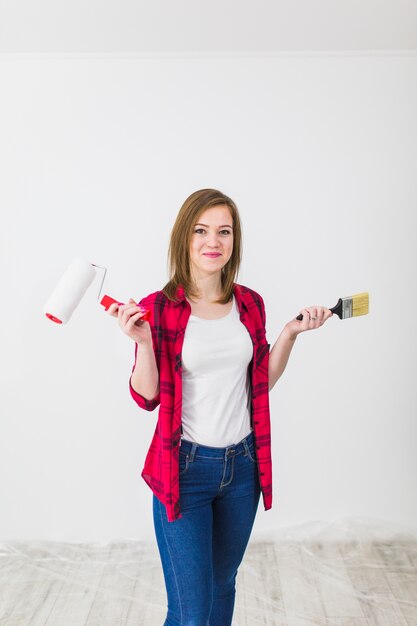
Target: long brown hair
179, 246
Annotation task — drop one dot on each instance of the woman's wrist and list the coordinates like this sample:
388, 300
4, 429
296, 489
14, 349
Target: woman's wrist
145, 344
290, 335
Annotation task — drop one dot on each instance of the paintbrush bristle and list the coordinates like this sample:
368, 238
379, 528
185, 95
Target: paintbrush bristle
360, 304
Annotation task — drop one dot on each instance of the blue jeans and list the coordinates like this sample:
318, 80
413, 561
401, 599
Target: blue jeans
201, 551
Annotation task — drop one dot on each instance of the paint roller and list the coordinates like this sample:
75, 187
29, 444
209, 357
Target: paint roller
71, 288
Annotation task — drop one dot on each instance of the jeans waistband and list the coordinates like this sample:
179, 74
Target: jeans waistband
209, 451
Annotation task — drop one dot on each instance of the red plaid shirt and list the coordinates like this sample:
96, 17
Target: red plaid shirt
168, 323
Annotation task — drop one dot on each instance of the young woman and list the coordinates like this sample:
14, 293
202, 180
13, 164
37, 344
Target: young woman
204, 359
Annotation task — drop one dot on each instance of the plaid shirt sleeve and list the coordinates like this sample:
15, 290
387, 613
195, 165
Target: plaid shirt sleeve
263, 314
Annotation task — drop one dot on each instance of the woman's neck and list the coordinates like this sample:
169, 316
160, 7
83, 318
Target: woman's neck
209, 289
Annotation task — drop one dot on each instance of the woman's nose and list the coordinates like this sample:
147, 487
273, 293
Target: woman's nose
213, 240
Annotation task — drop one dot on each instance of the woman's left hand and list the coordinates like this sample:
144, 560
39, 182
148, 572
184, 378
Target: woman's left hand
313, 317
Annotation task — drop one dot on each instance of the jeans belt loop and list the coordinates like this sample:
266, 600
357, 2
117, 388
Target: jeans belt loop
245, 443
193, 451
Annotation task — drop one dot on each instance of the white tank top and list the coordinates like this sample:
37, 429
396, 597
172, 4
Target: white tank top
216, 399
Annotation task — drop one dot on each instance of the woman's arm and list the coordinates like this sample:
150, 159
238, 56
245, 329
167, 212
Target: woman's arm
313, 317
279, 355
145, 376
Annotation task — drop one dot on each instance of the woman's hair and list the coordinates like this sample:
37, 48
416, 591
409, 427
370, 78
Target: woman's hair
179, 246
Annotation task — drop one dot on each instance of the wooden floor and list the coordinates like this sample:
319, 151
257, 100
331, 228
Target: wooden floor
287, 583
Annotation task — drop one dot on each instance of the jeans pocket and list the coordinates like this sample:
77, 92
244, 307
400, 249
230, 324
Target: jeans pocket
251, 454
183, 462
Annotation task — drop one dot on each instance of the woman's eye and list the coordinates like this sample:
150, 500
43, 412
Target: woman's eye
222, 231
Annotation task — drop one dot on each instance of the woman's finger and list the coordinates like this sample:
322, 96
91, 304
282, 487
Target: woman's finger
313, 317
325, 313
125, 310
112, 310
134, 319
128, 313
305, 322
321, 312
312, 313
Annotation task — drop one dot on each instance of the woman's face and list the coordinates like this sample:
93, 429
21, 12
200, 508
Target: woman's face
213, 233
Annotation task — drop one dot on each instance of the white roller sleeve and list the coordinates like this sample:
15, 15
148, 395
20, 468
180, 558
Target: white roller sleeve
69, 290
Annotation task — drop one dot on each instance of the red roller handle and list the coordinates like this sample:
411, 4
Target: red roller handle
106, 301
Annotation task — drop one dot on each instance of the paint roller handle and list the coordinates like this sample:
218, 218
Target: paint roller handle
106, 301
131, 318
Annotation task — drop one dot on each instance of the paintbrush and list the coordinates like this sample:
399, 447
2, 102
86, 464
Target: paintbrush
352, 306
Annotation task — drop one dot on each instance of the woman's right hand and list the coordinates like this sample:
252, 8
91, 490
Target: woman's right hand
129, 321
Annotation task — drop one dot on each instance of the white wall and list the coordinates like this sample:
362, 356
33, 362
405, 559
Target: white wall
97, 156
161, 26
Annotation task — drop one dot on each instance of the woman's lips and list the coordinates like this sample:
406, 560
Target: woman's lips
212, 255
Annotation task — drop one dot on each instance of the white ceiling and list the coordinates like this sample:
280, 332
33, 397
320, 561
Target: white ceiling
135, 26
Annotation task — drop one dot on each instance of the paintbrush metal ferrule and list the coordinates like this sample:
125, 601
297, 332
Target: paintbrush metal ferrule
352, 306
347, 308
